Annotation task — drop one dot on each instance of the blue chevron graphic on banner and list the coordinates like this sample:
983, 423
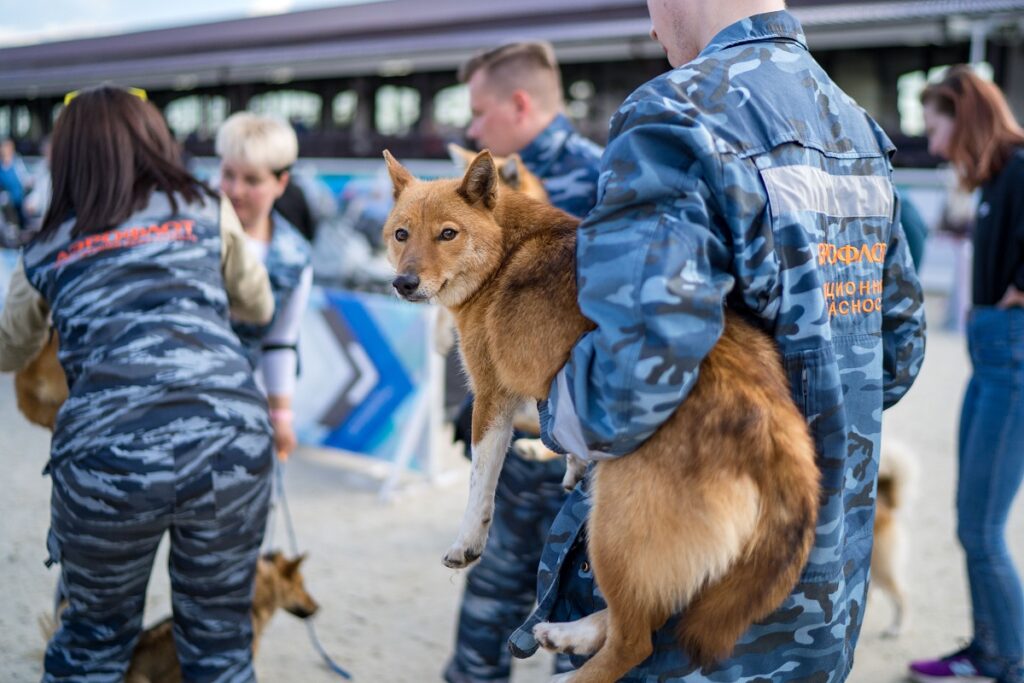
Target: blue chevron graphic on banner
363, 426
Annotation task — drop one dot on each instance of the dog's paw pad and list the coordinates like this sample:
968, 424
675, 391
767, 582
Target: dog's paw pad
551, 637
892, 632
460, 558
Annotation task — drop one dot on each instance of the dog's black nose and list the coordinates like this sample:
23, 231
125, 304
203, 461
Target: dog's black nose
406, 284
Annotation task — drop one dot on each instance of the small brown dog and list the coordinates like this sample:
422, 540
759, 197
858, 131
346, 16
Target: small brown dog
279, 585
512, 172
41, 386
715, 512
895, 477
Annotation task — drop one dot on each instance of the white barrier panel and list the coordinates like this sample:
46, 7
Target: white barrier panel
370, 382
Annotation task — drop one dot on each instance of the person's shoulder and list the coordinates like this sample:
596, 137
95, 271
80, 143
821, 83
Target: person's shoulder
582, 148
290, 240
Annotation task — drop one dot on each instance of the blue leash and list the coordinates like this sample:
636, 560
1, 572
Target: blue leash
290, 528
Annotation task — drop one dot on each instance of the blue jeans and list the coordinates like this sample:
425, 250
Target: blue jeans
990, 474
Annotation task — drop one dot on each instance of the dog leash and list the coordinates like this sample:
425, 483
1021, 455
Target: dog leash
280, 497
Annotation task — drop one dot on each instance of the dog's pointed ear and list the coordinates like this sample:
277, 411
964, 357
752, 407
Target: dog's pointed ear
460, 155
400, 176
510, 172
291, 566
480, 183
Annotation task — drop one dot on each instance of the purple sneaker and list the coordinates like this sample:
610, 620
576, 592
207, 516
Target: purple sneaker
955, 668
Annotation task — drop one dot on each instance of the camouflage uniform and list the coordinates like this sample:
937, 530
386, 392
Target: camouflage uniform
501, 589
288, 255
744, 178
164, 430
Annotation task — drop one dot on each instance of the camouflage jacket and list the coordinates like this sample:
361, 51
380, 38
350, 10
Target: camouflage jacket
141, 311
567, 163
288, 255
744, 178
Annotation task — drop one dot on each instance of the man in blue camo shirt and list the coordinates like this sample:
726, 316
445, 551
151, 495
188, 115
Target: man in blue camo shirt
745, 178
517, 102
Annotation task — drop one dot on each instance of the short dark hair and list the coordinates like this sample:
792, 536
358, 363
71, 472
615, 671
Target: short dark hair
529, 66
534, 54
110, 151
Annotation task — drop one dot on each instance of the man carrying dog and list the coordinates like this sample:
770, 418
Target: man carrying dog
743, 178
517, 103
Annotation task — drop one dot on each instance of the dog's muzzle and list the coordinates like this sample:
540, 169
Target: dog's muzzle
406, 286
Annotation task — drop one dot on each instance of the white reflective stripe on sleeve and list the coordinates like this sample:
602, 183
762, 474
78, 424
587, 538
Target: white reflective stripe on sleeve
566, 428
806, 188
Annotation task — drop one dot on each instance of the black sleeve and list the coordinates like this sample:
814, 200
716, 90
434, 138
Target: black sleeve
1015, 216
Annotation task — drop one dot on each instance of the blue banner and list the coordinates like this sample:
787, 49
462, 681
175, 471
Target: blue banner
365, 359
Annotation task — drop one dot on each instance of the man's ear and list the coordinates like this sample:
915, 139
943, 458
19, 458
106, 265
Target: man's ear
400, 177
480, 183
522, 102
509, 172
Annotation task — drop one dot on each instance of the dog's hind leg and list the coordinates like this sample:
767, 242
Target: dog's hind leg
492, 432
885, 574
655, 539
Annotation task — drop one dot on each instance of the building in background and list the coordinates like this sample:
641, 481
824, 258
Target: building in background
357, 78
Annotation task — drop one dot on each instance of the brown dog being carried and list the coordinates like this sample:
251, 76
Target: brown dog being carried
715, 512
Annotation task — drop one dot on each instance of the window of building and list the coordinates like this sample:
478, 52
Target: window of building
909, 87
300, 108
5, 122
397, 109
196, 114
22, 122
343, 108
581, 96
451, 106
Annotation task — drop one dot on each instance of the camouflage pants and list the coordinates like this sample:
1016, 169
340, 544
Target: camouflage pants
110, 509
501, 590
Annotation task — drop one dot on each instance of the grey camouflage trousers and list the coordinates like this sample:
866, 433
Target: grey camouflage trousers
109, 511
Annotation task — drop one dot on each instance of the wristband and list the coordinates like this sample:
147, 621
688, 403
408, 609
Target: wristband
281, 414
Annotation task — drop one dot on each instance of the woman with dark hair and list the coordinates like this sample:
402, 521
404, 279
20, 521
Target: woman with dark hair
138, 264
969, 122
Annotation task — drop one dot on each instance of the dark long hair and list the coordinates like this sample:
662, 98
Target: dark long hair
985, 133
110, 151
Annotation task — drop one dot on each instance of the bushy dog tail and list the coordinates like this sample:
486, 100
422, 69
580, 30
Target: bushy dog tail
897, 469
776, 554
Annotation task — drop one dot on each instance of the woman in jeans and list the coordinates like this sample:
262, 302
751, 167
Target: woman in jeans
968, 122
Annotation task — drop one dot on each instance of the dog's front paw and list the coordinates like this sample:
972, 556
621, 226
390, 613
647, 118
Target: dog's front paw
533, 450
553, 637
564, 678
460, 556
892, 631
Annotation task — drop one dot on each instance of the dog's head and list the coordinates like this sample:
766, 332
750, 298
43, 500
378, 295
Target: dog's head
512, 172
442, 237
279, 584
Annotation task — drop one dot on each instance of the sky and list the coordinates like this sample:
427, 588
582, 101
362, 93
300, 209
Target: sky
24, 22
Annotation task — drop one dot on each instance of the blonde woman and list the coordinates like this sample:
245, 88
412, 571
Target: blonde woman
256, 154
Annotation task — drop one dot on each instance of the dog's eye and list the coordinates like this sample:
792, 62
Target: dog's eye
448, 234
401, 234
